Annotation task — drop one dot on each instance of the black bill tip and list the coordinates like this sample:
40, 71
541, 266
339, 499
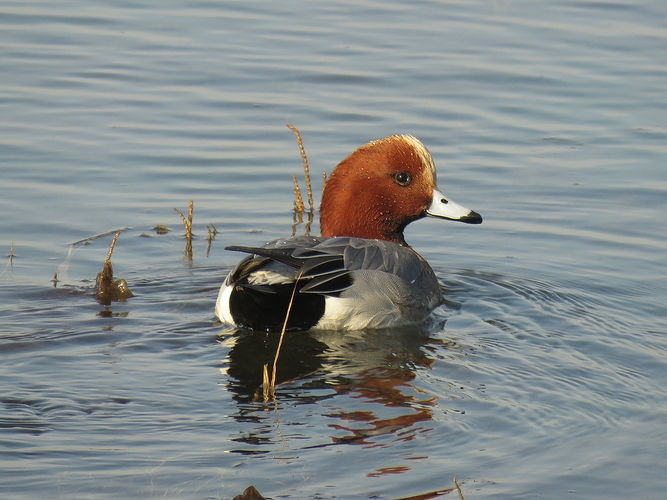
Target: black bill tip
471, 218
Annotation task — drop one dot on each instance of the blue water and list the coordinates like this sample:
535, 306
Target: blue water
543, 375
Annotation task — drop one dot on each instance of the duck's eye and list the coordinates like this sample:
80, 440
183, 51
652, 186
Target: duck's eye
402, 178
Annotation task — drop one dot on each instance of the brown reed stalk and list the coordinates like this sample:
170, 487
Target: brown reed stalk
269, 385
306, 166
212, 233
298, 199
97, 236
112, 246
297, 219
309, 222
187, 223
458, 488
109, 290
266, 384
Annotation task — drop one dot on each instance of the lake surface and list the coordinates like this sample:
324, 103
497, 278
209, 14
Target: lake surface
544, 375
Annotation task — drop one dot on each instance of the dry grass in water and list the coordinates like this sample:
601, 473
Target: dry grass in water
112, 246
269, 384
212, 233
299, 205
298, 199
11, 254
10, 259
458, 488
109, 290
306, 167
436, 493
187, 223
86, 241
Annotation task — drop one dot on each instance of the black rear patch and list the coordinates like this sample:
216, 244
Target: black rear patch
254, 308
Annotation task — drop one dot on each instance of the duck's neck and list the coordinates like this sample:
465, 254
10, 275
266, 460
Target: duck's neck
370, 226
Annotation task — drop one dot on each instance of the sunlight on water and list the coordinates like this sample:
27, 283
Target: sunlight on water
541, 375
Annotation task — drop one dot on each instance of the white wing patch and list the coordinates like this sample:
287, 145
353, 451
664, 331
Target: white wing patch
268, 277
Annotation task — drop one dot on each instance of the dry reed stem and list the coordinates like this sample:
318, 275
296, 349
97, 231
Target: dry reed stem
11, 254
97, 236
187, 223
266, 383
428, 495
10, 259
112, 246
269, 386
306, 167
306, 230
458, 488
298, 199
297, 219
108, 290
212, 233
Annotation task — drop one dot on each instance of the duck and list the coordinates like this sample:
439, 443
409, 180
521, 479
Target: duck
360, 273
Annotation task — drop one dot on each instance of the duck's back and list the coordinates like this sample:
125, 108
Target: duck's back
336, 283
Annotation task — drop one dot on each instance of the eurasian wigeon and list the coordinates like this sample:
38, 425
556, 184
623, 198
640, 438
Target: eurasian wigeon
360, 273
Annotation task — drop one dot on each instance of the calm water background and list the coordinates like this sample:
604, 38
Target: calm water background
544, 375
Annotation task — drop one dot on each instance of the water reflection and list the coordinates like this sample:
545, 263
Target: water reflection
373, 370
251, 350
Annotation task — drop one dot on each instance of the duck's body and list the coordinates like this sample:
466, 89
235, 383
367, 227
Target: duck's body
360, 273
341, 283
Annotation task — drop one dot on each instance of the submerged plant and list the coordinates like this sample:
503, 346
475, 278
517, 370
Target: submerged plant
108, 290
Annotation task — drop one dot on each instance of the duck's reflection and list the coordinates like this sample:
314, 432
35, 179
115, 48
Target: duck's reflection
300, 355
376, 367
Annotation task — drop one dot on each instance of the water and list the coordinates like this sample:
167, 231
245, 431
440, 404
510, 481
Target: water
542, 377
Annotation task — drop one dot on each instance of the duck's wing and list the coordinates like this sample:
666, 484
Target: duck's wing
385, 273
313, 271
330, 266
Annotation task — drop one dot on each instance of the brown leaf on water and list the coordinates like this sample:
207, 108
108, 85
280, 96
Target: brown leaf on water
250, 493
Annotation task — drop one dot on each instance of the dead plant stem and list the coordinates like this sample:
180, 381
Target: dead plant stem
187, 223
298, 199
458, 488
112, 245
306, 167
282, 336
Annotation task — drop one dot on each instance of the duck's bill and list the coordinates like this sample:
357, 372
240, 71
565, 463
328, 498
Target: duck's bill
443, 207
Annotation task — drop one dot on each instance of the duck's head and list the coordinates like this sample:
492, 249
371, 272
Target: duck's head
382, 187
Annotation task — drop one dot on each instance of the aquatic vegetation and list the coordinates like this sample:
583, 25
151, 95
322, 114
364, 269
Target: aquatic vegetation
108, 289
187, 223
